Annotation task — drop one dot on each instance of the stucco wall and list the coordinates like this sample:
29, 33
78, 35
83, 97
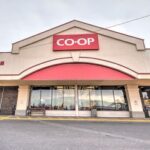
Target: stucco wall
111, 49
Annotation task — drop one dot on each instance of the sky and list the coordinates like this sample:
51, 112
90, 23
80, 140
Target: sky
20, 19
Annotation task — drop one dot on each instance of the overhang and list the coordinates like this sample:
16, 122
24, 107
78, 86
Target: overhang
77, 71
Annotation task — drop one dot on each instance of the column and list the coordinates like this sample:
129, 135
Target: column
76, 100
134, 101
22, 101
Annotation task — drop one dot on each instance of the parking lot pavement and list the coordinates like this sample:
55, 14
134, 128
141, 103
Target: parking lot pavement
73, 135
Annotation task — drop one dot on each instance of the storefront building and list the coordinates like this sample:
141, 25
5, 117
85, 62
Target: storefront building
76, 69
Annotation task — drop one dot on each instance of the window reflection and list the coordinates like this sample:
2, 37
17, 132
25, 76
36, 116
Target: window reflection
55, 97
95, 97
108, 100
120, 100
146, 97
102, 98
46, 98
35, 98
69, 96
84, 101
89, 97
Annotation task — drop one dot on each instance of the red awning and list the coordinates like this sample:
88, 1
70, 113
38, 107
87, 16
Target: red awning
77, 71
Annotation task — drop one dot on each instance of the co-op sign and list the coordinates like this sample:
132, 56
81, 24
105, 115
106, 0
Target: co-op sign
75, 42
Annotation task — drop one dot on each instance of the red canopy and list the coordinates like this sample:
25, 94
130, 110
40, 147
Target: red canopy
77, 71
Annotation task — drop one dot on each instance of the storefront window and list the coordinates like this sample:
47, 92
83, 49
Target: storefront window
41, 98
69, 98
95, 98
46, 98
101, 98
89, 97
121, 104
54, 97
146, 97
84, 98
35, 98
108, 99
57, 98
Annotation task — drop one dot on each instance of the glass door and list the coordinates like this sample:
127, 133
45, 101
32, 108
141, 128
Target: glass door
145, 96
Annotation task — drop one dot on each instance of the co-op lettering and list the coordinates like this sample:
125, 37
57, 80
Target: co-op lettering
70, 42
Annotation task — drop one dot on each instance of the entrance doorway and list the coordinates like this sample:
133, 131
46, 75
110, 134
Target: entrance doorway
145, 96
8, 100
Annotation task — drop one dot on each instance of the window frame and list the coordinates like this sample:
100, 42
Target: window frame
101, 93
52, 93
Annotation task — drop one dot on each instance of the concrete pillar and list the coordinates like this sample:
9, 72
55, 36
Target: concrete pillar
22, 101
134, 101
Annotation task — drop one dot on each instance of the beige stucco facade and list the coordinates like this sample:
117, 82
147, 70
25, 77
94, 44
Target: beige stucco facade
118, 51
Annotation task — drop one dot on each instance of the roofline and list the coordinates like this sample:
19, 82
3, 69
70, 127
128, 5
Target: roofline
43, 32
76, 21
79, 24
109, 29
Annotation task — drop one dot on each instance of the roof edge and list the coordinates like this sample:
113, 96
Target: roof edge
76, 23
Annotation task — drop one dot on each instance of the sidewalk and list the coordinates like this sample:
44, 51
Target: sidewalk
144, 120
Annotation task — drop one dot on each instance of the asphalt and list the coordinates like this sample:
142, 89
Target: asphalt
73, 135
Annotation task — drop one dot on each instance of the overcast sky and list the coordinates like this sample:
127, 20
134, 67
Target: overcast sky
23, 18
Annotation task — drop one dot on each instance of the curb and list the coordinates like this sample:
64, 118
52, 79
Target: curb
8, 118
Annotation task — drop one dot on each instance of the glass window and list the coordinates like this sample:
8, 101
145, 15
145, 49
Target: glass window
46, 98
35, 98
95, 97
69, 98
120, 101
57, 98
84, 99
54, 97
89, 97
101, 98
108, 99
41, 98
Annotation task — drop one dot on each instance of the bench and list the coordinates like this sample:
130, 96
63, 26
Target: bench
36, 112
